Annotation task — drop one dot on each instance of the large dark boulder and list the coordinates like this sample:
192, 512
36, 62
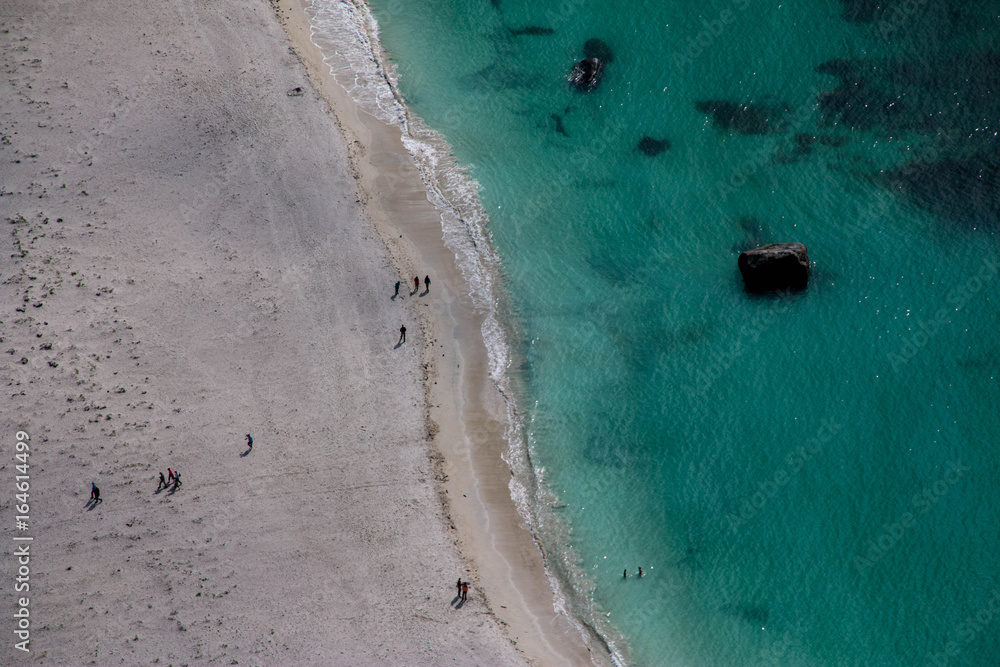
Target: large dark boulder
776, 266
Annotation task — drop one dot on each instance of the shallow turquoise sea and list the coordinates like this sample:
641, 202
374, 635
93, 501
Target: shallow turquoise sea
804, 479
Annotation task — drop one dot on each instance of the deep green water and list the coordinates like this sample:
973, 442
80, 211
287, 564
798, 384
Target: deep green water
807, 479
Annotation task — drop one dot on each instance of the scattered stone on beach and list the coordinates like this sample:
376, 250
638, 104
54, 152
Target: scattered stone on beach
296, 92
775, 266
740, 118
653, 147
532, 31
596, 48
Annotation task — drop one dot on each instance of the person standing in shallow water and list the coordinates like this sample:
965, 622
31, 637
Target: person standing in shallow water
402, 335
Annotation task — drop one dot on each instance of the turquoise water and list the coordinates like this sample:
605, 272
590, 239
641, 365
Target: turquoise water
805, 479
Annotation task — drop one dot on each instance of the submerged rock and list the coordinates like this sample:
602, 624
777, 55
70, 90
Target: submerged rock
653, 147
560, 127
753, 614
740, 118
837, 67
966, 189
775, 266
863, 11
596, 48
532, 30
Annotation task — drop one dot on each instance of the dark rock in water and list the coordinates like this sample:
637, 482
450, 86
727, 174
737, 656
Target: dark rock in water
837, 67
596, 48
740, 118
653, 147
965, 189
586, 74
532, 30
776, 266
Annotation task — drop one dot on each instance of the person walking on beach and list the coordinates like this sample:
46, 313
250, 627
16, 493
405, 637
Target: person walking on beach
397, 290
177, 480
416, 283
250, 442
427, 283
458, 588
465, 591
402, 335
163, 483
95, 493
170, 476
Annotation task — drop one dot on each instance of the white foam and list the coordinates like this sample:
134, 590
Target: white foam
346, 33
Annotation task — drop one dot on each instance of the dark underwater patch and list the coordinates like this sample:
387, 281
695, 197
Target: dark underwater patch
742, 118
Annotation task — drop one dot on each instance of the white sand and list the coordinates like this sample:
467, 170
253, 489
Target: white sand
216, 271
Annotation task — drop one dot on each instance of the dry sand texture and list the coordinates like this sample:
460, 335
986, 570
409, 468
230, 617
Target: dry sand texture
186, 261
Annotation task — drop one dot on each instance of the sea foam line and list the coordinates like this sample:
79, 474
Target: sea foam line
346, 33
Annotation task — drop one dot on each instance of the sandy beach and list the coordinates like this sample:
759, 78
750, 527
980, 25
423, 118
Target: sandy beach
202, 241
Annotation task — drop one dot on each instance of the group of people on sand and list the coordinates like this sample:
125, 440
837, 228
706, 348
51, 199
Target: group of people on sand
416, 288
462, 590
173, 479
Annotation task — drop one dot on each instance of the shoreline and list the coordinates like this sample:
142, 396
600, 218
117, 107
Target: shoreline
189, 263
467, 415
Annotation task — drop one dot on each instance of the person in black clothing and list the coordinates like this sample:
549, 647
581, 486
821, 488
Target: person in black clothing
397, 290
427, 283
163, 482
250, 441
402, 334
